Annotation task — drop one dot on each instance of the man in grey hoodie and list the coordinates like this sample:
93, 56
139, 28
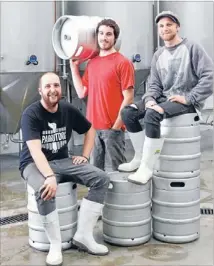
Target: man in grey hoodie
181, 79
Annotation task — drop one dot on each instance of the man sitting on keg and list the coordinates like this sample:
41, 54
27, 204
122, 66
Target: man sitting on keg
47, 127
108, 81
181, 79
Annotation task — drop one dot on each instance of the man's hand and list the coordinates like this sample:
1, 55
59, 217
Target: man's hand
74, 63
178, 98
50, 186
79, 159
157, 108
150, 104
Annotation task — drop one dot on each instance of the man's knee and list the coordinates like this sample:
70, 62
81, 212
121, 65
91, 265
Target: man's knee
153, 117
44, 206
128, 113
102, 180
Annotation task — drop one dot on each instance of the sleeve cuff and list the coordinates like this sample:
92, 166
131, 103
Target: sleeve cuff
188, 99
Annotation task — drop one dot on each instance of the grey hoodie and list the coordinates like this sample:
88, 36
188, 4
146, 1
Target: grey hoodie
184, 69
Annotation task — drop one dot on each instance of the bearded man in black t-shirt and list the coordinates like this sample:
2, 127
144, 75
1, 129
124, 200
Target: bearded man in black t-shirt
47, 126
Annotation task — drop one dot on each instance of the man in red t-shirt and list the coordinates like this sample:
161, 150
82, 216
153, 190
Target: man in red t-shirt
108, 81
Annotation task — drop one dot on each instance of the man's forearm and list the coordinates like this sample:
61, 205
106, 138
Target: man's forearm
119, 122
89, 142
42, 163
77, 81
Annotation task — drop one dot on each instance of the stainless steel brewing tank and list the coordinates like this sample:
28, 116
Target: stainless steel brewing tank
126, 212
74, 37
66, 202
17, 90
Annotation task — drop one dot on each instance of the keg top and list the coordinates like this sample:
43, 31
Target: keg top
118, 176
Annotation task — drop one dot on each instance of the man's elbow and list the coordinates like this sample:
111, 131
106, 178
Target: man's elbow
82, 94
91, 132
130, 99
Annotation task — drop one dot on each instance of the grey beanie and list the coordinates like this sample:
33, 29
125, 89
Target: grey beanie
168, 14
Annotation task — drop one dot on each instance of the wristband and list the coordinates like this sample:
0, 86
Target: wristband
85, 157
50, 176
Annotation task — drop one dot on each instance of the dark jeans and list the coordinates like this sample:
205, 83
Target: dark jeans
65, 171
152, 118
109, 147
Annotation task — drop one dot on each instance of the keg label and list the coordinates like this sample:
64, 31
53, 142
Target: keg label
157, 151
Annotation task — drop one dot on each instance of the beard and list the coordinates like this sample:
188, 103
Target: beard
168, 37
105, 46
51, 100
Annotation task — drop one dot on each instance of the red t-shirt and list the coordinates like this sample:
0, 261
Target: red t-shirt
105, 78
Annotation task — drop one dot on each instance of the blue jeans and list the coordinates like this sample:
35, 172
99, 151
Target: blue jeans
65, 171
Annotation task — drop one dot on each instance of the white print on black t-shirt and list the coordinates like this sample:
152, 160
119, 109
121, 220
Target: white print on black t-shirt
54, 139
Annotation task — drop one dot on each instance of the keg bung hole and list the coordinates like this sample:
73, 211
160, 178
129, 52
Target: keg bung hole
67, 37
177, 184
196, 118
132, 239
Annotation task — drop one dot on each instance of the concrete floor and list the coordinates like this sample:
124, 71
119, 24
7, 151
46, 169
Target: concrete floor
14, 249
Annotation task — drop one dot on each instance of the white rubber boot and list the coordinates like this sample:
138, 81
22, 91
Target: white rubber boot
52, 229
151, 152
137, 140
83, 238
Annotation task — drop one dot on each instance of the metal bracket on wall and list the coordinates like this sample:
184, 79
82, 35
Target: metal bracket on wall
5, 144
15, 140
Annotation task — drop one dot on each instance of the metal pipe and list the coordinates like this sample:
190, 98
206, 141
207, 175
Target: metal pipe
64, 73
5, 144
20, 143
68, 93
55, 16
16, 140
158, 11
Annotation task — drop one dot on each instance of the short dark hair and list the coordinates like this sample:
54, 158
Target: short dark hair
47, 73
109, 23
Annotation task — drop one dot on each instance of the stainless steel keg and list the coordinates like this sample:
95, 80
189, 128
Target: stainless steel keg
66, 203
176, 181
127, 212
74, 37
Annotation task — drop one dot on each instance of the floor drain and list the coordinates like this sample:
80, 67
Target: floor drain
206, 211
14, 219
24, 217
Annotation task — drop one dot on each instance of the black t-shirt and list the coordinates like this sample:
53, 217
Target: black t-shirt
53, 129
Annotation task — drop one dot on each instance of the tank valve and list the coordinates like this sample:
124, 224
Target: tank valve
136, 58
32, 60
